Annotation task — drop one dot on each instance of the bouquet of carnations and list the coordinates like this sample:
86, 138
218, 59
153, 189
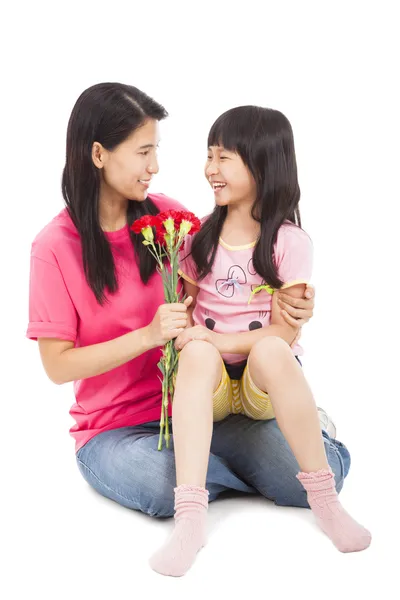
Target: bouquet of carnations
164, 236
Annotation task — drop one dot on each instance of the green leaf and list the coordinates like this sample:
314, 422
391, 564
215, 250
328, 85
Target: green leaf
162, 369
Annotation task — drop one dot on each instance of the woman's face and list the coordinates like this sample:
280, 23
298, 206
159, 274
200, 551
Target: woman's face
128, 169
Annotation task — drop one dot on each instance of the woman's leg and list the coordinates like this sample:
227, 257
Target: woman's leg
125, 465
273, 369
260, 455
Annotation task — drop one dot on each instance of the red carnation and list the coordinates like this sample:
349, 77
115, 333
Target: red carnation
168, 214
191, 218
146, 221
160, 236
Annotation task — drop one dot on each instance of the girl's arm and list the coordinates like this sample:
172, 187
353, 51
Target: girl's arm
242, 343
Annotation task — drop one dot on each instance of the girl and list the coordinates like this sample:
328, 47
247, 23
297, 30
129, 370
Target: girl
241, 360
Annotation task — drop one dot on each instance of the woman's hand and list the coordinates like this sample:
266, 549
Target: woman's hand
168, 323
198, 332
297, 311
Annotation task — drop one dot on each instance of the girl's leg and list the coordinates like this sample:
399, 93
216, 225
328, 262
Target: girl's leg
273, 369
199, 374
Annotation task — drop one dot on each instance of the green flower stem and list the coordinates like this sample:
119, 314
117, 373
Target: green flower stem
168, 364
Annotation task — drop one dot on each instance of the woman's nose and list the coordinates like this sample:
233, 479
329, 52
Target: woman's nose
153, 166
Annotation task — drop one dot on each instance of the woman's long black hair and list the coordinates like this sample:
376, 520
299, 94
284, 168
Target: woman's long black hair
107, 113
263, 138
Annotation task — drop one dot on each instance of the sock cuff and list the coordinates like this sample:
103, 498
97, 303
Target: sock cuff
190, 495
190, 488
317, 480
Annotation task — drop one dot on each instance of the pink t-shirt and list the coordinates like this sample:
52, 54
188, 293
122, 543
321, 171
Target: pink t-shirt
222, 301
62, 305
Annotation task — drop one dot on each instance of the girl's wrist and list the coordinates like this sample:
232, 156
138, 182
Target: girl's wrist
220, 342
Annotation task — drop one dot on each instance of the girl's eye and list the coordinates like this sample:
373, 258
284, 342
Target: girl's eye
209, 157
145, 153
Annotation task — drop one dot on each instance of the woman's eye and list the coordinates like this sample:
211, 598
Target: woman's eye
144, 153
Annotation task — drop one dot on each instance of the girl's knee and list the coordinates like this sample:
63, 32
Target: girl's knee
270, 348
200, 348
270, 355
202, 356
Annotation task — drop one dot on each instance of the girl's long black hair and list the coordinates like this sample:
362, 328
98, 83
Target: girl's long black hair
263, 138
107, 113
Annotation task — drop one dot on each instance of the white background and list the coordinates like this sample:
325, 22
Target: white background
330, 67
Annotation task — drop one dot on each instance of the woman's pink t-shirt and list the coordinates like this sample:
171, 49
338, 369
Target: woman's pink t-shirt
62, 305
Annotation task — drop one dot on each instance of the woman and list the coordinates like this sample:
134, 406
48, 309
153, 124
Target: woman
98, 313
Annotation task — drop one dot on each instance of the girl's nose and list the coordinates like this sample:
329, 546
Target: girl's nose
211, 169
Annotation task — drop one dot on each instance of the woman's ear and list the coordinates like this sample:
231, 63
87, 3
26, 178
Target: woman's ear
98, 155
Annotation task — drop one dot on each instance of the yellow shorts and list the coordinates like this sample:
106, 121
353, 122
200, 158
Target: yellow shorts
242, 397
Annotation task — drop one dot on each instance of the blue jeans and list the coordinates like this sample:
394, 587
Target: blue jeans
246, 456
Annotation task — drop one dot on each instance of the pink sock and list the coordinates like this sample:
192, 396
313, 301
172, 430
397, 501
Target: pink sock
189, 535
344, 531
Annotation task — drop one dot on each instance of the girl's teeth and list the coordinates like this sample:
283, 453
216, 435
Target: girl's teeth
218, 185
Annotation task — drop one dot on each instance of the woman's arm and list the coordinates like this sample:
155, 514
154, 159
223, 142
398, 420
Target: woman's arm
63, 362
242, 343
190, 289
294, 309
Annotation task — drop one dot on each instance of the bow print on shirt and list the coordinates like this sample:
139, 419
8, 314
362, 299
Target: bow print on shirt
234, 281
257, 288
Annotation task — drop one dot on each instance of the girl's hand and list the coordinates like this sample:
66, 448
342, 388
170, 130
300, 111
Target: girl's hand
297, 311
169, 321
198, 332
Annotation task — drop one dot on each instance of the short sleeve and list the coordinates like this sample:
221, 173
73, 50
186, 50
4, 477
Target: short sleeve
187, 266
51, 310
293, 256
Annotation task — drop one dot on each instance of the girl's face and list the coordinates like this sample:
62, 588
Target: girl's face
229, 177
128, 169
